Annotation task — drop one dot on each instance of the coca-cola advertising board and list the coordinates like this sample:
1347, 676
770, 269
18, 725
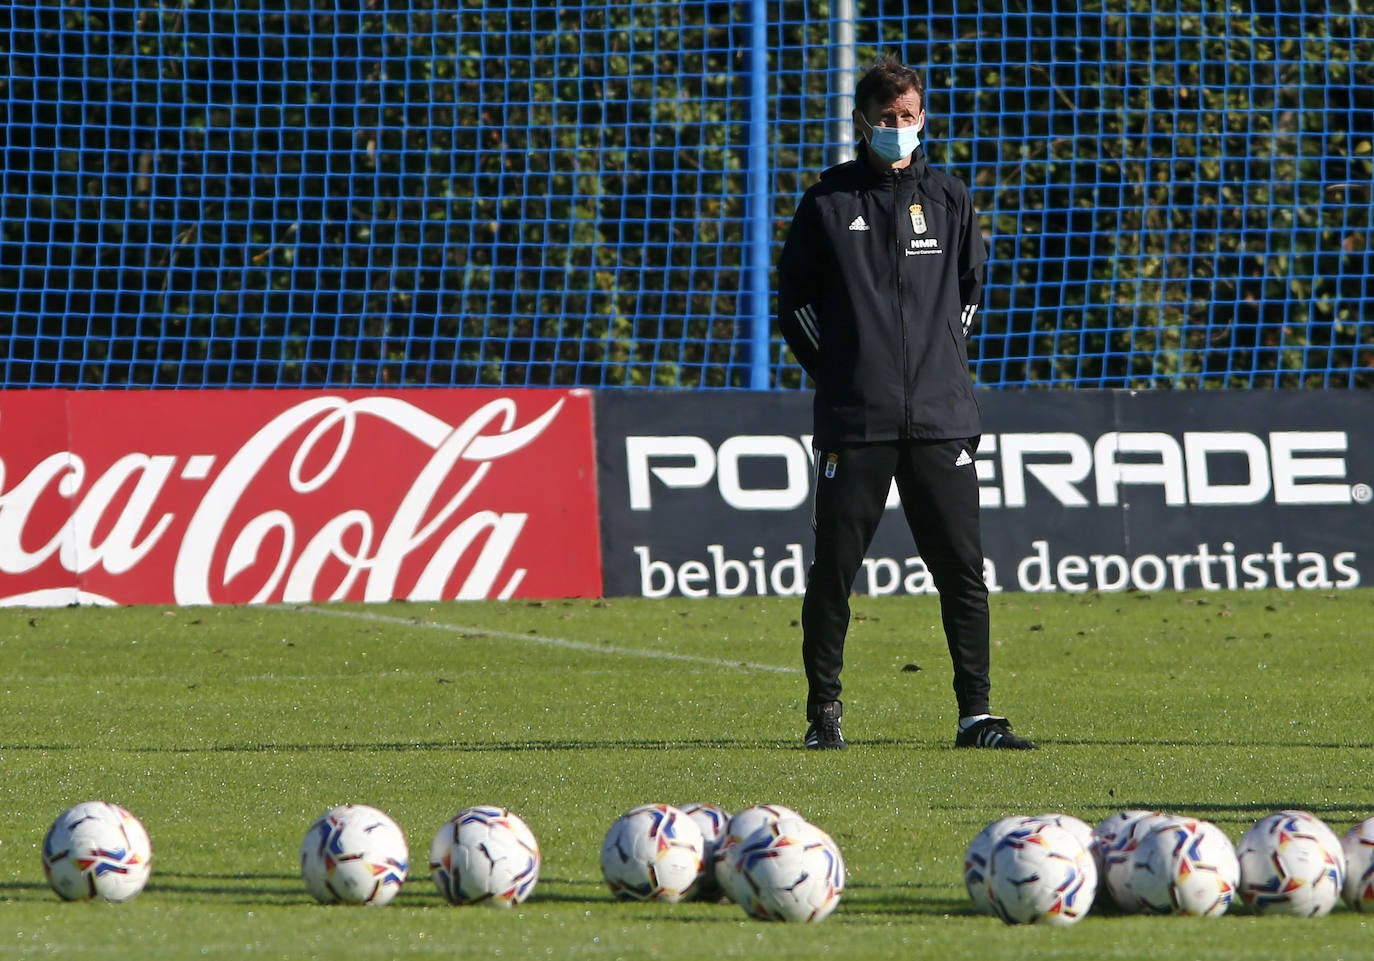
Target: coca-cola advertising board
213, 497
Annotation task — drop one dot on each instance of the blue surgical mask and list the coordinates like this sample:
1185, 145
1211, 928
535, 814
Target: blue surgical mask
893, 143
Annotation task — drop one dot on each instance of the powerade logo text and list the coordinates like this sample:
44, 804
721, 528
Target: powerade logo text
1285, 467
1203, 468
1026, 474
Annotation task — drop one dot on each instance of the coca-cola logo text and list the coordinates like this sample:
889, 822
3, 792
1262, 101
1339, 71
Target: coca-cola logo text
369, 498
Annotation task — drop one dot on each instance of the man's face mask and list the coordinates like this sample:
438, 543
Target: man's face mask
891, 143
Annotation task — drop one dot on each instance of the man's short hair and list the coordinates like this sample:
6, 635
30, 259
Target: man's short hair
885, 81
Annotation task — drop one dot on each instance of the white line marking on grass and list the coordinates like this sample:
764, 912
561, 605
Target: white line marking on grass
560, 642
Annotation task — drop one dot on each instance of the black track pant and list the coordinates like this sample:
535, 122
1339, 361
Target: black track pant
939, 491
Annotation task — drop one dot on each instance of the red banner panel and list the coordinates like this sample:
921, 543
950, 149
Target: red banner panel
227, 497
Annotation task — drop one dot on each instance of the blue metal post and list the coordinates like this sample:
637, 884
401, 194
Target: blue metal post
758, 208
842, 62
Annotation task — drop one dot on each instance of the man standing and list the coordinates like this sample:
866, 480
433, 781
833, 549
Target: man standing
878, 283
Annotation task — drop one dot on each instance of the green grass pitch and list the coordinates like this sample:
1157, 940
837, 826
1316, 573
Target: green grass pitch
228, 730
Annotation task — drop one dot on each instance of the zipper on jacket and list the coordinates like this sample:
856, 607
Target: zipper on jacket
895, 252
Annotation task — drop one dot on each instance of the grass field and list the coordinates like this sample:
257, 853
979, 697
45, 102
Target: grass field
228, 730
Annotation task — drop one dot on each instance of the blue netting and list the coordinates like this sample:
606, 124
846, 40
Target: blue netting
227, 192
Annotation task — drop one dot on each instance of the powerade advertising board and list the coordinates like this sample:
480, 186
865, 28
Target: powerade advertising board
710, 494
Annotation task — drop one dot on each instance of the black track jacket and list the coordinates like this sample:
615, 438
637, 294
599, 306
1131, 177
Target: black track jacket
878, 283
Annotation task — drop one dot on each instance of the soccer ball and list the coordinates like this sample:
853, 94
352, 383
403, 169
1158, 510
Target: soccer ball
788, 870
1080, 829
979, 851
97, 850
1184, 866
1291, 863
977, 856
1113, 832
713, 822
1358, 846
485, 855
1040, 873
653, 853
1113, 850
743, 823
354, 854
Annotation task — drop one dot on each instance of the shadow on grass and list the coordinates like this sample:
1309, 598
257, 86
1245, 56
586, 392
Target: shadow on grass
237, 888
26, 891
1248, 810
288, 890
867, 899
244, 888
906, 900
1181, 742
418, 891
680, 744
561, 744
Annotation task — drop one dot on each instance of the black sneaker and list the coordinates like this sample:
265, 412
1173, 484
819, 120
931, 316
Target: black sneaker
824, 732
992, 732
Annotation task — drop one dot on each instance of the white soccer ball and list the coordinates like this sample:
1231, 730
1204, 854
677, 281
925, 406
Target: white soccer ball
652, 853
1040, 873
1291, 863
713, 821
1112, 832
977, 856
743, 823
97, 850
1079, 828
740, 825
1358, 846
485, 855
1184, 866
354, 854
788, 870
979, 851
1113, 849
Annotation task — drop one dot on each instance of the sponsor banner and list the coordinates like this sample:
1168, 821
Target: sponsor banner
207, 497
709, 493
